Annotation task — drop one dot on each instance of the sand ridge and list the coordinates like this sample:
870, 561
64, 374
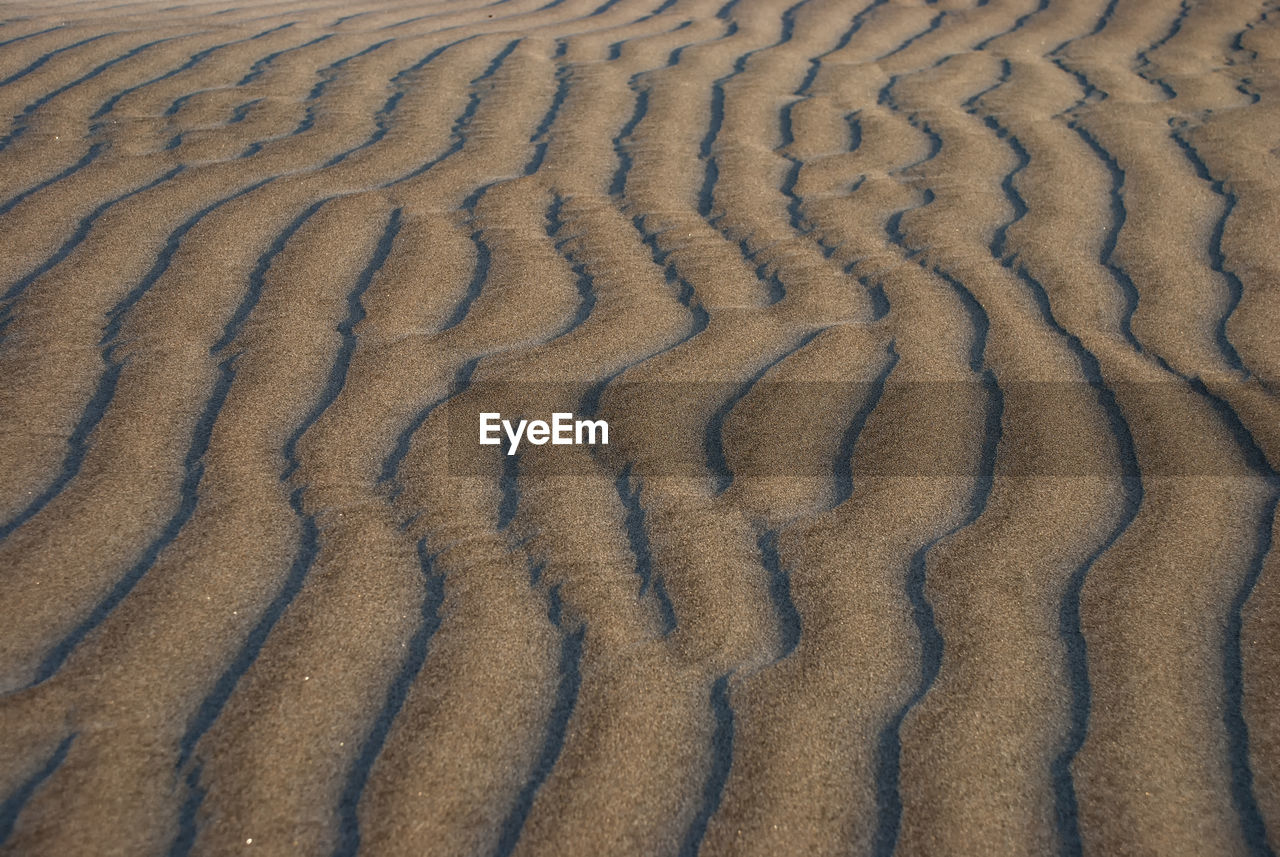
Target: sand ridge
940, 339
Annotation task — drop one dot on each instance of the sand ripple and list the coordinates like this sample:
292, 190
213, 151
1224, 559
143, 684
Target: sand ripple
940, 341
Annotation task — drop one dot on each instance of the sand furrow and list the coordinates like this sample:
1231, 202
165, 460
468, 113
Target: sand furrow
1255, 504
1046, 376
307, 526
165, 256
229, 612
858, 736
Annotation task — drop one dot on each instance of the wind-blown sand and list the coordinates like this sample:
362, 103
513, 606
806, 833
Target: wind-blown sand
941, 344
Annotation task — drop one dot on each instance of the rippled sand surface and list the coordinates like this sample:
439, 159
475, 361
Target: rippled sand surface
941, 345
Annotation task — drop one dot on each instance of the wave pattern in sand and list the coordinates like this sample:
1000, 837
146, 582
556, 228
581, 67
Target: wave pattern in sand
255, 256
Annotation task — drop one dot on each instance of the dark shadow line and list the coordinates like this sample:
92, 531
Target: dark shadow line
889, 761
1118, 218
193, 467
23, 118
713, 438
557, 728
309, 537
718, 772
81, 232
12, 806
194, 60
463, 121
419, 647
116, 315
935, 23
480, 273
634, 523
585, 282
849, 440
666, 609
509, 486
186, 837
541, 134
346, 328
790, 626
1217, 258
77, 447
220, 693
1017, 25
390, 472
260, 65
1252, 823
257, 277
41, 60
32, 35
84, 161
815, 64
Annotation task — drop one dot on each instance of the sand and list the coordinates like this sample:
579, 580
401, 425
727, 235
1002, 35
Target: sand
940, 343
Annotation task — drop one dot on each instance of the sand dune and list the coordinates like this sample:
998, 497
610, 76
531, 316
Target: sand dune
941, 347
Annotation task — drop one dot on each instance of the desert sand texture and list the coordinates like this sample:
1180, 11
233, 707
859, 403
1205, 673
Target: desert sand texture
941, 346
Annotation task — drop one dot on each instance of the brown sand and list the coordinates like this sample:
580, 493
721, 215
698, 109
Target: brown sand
941, 342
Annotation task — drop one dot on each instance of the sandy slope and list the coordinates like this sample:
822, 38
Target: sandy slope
941, 342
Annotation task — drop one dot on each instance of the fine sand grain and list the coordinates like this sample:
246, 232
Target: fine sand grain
940, 344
